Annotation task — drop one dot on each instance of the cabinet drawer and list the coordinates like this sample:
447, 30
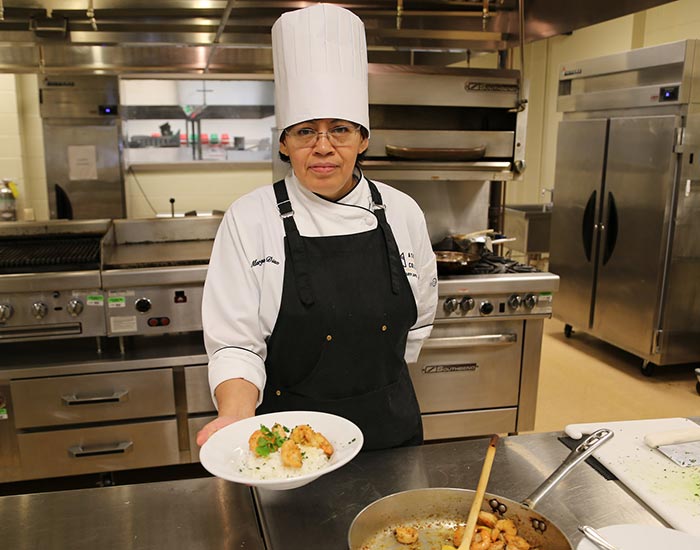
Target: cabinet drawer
468, 424
101, 449
92, 398
198, 393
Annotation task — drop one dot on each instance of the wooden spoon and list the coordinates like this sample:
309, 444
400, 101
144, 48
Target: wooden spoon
479, 495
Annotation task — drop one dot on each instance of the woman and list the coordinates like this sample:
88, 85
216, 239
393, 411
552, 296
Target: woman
322, 286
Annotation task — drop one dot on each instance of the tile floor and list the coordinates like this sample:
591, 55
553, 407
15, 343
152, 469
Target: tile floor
583, 379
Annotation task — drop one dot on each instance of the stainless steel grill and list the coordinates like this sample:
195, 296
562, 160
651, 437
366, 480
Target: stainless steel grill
49, 254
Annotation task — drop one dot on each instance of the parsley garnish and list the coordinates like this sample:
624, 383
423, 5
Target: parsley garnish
270, 440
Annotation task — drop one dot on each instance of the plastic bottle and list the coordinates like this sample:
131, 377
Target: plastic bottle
8, 204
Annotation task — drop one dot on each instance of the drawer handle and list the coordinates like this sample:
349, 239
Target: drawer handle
470, 341
78, 451
73, 399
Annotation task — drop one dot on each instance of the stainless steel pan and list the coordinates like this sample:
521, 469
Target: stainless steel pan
436, 512
450, 262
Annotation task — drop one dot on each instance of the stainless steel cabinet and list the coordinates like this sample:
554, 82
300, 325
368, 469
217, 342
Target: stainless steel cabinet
626, 216
81, 418
98, 449
108, 421
611, 225
87, 398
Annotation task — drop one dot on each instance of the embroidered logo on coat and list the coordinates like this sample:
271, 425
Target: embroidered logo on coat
266, 260
408, 261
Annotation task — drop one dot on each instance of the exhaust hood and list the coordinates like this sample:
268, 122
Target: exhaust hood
219, 36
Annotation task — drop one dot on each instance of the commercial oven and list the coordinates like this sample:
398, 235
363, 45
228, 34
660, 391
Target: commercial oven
626, 216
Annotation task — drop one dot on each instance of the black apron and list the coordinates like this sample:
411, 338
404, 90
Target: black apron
339, 340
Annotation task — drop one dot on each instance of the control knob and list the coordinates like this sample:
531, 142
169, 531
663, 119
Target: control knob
75, 307
486, 308
466, 304
514, 301
530, 301
39, 310
451, 305
6, 311
143, 305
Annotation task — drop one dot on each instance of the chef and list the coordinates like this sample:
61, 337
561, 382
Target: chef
322, 286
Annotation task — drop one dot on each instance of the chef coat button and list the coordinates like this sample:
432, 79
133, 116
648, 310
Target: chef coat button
369, 220
277, 392
384, 327
329, 337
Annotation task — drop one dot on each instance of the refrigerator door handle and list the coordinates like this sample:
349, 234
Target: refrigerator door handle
610, 235
588, 227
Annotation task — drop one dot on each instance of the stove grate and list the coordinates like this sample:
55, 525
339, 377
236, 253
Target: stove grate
49, 254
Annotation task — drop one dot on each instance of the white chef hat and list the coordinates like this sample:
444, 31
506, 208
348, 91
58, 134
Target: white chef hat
320, 64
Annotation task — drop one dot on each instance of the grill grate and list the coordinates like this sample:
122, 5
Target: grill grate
49, 254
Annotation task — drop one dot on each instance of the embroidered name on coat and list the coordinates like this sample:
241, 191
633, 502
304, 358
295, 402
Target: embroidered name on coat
266, 260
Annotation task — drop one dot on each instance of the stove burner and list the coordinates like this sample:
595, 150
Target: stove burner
493, 263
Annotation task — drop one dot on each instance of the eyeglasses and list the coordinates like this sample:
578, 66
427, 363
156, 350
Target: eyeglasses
338, 136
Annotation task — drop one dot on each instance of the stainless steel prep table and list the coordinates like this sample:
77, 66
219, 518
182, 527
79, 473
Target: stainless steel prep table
212, 513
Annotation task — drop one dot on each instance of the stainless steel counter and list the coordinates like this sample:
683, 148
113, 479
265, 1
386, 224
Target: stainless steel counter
194, 514
212, 513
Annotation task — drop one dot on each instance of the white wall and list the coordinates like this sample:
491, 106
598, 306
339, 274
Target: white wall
35, 200
148, 193
10, 146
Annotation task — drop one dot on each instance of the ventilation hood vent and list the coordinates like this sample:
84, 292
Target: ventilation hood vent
178, 36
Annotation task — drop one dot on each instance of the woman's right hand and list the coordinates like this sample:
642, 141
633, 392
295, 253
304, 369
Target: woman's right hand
214, 426
236, 399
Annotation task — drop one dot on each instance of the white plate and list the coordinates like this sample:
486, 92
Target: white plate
644, 537
226, 450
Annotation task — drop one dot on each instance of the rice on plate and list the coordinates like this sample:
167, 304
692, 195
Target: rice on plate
271, 467
229, 453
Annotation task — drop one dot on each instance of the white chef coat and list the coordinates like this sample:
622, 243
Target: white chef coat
243, 289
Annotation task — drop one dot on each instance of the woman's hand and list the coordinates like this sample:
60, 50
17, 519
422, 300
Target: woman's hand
214, 426
236, 399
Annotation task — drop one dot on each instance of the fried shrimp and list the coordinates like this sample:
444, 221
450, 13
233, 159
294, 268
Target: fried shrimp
487, 518
516, 542
458, 535
483, 533
280, 431
481, 540
505, 526
305, 435
406, 535
290, 454
253, 441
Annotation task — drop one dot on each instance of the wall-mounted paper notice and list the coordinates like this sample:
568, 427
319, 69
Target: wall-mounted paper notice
82, 162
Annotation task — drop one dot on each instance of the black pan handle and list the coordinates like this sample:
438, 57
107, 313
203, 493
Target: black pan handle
610, 229
588, 225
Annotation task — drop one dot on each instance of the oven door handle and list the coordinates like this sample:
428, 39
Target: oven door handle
471, 341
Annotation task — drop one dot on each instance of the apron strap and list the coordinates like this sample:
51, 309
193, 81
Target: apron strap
296, 245
395, 268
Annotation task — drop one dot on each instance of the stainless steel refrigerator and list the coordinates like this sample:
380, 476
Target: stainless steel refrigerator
626, 218
82, 146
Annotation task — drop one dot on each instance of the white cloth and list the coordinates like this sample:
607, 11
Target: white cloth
243, 289
320, 64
